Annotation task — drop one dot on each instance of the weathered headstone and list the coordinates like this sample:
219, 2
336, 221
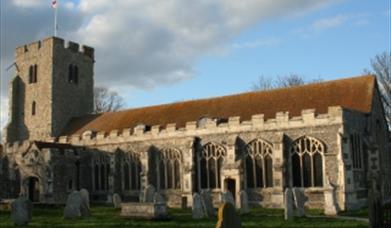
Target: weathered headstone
244, 207
207, 203
158, 198
197, 209
21, 210
75, 206
330, 207
85, 196
226, 197
299, 199
288, 204
148, 194
117, 200
227, 217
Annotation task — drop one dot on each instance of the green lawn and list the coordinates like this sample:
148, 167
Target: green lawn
104, 216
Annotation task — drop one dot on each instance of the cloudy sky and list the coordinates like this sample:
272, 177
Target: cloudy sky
162, 51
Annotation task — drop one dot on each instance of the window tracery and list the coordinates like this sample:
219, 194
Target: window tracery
307, 162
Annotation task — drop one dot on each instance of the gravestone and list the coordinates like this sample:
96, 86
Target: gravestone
244, 208
226, 197
148, 194
117, 200
21, 210
207, 203
149, 211
85, 196
330, 207
197, 209
158, 198
227, 217
288, 204
299, 199
75, 206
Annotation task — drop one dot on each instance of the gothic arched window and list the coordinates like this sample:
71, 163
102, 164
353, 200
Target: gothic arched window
258, 164
131, 171
211, 161
170, 169
307, 162
101, 170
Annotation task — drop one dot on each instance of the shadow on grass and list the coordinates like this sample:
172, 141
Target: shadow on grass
105, 216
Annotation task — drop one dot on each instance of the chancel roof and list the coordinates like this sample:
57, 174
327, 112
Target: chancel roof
352, 93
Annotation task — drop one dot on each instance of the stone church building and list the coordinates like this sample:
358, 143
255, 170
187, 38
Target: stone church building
316, 136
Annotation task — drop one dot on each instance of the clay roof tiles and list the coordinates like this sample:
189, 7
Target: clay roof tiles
351, 93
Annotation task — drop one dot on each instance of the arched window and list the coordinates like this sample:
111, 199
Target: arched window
131, 170
211, 161
258, 164
101, 170
33, 108
307, 165
73, 74
96, 174
169, 169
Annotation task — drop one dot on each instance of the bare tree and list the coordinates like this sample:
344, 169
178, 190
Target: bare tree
289, 80
106, 100
264, 83
381, 67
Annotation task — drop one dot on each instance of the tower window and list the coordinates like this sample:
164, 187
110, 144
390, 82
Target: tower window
33, 108
73, 74
33, 69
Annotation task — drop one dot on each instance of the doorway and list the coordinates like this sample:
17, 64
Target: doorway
33, 189
230, 185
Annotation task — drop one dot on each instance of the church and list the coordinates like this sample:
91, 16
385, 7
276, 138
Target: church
331, 134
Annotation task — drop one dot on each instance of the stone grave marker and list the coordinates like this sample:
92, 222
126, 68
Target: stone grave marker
158, 198
244, 207
148, 194
75, 206
85, 196
288, 204
117, 200
330, 207
299, 199
227, 217
21, 211
197, 209
207, 203
226, 197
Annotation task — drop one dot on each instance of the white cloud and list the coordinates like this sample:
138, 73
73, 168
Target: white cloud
331, 22
143, 43
257, 43
31, 3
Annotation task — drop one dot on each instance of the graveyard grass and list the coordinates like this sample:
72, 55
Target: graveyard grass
105, 216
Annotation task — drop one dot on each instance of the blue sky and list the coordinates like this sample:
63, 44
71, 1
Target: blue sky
154, 51
334, 42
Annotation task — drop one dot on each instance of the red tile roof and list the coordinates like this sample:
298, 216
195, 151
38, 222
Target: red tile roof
351, 93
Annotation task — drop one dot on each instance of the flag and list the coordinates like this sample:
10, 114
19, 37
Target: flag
54, 3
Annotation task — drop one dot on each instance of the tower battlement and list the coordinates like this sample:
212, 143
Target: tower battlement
55, 42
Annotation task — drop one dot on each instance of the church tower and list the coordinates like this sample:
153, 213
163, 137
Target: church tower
53, 83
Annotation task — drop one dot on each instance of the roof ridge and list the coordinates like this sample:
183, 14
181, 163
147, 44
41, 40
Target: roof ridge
239, 94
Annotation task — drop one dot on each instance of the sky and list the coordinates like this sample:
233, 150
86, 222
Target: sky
154, 51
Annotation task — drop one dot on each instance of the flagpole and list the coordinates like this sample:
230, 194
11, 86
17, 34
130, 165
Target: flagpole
55, 19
